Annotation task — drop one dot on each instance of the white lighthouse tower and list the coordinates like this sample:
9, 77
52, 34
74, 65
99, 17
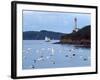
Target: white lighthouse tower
75, 25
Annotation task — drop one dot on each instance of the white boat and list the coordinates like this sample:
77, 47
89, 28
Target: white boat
47, 39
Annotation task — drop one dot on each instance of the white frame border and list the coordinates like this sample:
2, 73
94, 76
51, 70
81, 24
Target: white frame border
37, 72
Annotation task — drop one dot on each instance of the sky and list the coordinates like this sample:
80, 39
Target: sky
54, 21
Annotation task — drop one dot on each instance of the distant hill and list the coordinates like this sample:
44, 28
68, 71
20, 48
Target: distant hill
40, 35
83, 36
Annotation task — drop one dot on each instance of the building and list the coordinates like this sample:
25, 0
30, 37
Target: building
75, 26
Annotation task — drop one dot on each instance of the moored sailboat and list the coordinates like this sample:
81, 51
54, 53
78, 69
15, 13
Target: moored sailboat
47, 39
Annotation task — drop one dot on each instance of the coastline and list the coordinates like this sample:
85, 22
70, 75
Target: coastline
77, 44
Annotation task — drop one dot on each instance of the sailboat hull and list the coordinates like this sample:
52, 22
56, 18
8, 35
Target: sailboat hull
47, 39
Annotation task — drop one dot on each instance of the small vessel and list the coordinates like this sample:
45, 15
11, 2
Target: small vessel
33, 66
47, 39
52, 51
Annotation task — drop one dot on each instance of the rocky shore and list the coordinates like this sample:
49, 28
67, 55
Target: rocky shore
81, 38
77, 44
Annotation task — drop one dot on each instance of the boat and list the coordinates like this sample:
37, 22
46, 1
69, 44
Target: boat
47, 39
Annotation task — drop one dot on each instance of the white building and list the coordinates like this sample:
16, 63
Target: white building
75, 26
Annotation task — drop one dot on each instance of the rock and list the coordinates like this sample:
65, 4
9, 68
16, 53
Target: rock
33, 66
73, 54
85, 59
66, 55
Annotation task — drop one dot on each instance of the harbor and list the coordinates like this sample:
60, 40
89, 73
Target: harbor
48, 55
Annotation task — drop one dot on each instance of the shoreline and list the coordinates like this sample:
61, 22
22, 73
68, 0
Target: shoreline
86, 45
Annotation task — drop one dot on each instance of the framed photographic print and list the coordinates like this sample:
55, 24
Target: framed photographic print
50, 39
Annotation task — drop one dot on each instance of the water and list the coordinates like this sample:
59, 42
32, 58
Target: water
38, 54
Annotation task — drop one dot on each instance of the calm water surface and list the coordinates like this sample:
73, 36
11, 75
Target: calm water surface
40, 54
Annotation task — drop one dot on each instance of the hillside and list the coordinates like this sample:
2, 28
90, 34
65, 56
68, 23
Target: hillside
81, 37
40, 35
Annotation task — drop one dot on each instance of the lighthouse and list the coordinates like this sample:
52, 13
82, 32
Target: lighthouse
75, 25
75, 21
